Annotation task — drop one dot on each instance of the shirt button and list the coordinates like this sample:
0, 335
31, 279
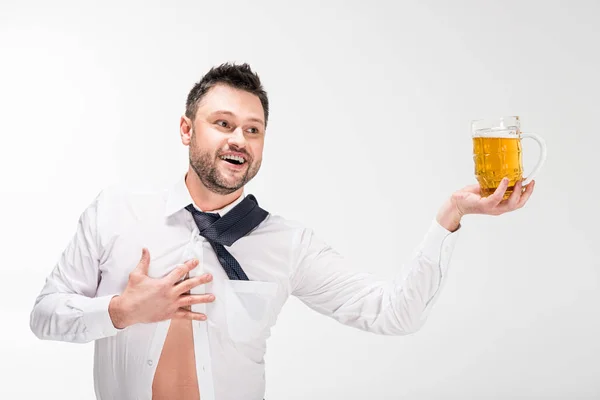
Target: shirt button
150, 362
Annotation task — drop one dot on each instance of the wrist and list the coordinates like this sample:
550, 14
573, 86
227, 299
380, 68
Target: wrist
118, 313
449, 216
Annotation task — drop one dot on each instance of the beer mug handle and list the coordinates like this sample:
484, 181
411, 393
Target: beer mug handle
542, 158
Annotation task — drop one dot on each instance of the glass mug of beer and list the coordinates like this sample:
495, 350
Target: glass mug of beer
497, 153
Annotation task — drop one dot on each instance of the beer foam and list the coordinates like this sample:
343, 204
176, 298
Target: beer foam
511, 132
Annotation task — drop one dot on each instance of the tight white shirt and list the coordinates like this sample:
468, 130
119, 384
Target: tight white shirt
280, 257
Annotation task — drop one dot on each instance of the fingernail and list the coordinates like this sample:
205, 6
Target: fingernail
208, 276
203, 317
211, 297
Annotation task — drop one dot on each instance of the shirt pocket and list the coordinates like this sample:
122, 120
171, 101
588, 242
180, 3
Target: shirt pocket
249, 308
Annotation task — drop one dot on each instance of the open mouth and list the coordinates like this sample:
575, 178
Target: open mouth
233, 160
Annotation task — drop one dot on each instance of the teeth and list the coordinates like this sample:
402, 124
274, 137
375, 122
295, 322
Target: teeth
235, 158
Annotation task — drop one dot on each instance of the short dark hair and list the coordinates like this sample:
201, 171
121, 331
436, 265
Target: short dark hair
237, 76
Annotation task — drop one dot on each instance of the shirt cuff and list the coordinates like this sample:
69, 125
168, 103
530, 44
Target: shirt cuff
96, 317
439, 244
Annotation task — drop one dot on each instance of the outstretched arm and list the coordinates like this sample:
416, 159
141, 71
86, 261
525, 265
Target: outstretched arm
402, 305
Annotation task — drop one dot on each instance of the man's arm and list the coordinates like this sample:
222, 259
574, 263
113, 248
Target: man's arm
324, 283
67, 309
401, 306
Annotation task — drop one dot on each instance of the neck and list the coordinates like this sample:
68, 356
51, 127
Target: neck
203, 197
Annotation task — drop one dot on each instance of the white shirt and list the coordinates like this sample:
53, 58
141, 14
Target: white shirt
280, 257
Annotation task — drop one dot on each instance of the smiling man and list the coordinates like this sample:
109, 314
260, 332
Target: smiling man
189, 318
222, 112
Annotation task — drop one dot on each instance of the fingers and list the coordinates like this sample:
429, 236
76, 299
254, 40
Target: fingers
495, 203
510, 204
186, 314
188, 284
186, 300
515, 196
525, 196
181, 271
517, 199
144, 263
495, 198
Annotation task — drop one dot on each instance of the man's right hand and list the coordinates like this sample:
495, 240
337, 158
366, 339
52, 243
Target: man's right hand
147, 299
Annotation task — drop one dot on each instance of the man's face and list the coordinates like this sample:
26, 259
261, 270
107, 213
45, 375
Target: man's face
227, 139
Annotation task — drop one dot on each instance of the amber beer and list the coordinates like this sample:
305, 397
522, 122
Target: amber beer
497, 153
496, 158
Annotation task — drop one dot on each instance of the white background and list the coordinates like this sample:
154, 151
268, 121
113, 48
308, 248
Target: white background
371, 104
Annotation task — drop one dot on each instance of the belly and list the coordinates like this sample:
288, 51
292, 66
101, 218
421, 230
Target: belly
175, 376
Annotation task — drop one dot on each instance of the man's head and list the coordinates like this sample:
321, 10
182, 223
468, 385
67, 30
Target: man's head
224, 124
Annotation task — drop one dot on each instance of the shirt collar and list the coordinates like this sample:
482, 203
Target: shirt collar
178, 197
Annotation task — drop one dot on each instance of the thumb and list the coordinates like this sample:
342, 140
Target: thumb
144, 263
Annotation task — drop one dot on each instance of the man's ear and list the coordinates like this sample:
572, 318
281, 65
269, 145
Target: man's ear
185, 130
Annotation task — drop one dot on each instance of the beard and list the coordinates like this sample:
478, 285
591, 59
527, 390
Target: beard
214, 177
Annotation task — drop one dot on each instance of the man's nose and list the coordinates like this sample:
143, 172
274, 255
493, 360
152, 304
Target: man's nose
237, 137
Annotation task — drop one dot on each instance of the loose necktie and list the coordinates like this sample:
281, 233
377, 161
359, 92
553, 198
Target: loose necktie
224, 231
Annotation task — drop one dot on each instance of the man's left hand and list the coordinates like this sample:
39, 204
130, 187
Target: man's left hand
468, 200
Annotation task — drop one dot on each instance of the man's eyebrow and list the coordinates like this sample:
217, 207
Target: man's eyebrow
225, 112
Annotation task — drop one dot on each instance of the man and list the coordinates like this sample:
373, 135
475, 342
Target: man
189, 318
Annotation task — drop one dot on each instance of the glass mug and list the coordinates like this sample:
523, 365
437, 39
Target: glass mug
497, 153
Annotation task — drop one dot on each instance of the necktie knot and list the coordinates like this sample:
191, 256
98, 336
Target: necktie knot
203, 219
224, 231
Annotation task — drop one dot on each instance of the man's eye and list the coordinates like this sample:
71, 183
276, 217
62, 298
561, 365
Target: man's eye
253, 130
222, 123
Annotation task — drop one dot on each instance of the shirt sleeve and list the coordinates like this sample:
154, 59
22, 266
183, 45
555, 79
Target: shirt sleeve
323, 281
67, 308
